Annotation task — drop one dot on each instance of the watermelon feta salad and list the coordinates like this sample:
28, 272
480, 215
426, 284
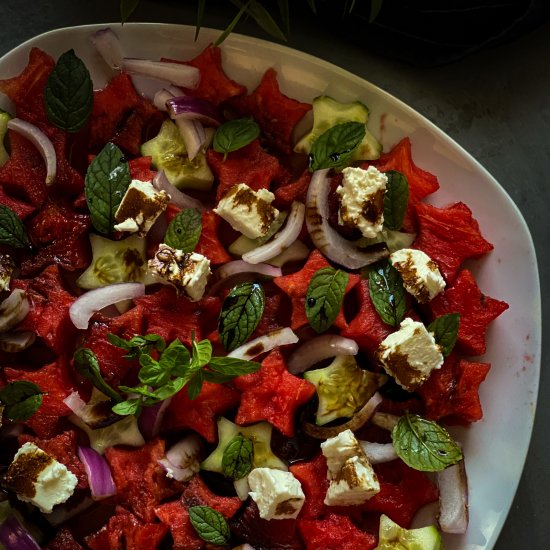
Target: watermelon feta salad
228, 317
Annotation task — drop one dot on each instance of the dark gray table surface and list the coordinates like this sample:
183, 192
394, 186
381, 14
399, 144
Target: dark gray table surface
495, 103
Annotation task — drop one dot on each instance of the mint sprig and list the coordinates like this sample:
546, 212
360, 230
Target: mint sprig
184, 230
12, 230
396, 199
235, 134
445, 331
210, 525
20, 399
87, 365
387, 293
237, 457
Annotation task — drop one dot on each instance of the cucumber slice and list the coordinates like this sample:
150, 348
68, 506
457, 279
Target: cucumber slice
168, 153
395, 240
327, 112
4, 119
394, 537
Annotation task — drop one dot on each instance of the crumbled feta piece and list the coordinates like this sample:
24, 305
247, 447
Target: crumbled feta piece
248, 211
362, 200
420, 274
278, 494
352, 479
38, 478
410, 354
186, 270
6, 269
140, 207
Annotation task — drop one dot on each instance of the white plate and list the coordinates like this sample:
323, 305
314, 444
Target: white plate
495, 448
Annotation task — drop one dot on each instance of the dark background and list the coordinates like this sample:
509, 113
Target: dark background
482, 74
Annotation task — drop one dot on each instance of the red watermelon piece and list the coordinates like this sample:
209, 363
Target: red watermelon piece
476, 312
140, 169
295, 190
64, 540
22, 209
276, 113
197, 493
275, 315
335, 532
272, 394
176, 517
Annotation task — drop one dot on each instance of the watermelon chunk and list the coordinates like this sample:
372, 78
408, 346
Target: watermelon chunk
176, 517
294, 190
64, 540
197, 493
312, 475
140, 169
272, 394
22, 209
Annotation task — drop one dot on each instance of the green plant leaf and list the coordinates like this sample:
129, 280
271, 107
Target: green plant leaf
229, 29
424, 445
12, 230
210, 525
324, 297
333, 148
184, 230
445, 331
387, 293
129, 407
284, 10
194, 386
312, 7
87, 365
21, 399
375, 7
107, 180
201, 5
152, 373
235, 134
202, 352
396, 199
241, 312
237, 458
264, 20
232, 366
175, 359
68, 95
127, 7
168, 390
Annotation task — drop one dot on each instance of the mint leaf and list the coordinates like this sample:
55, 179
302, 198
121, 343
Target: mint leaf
334, 147
137, 345
202, 352
210, 525
12, 230
237, 458
229, 29
184, 230
21, 399
387, 293
107, 180
127, 7
168, 390
396, 198
194, 386
424, 445
235, 134
127, 408
324, 297
152, 372
68, 95
175, 359
445, 331
241, 312
264, 20
87, 365
232, 366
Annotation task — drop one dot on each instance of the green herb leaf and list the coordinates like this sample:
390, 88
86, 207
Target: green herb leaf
424, 445
138, 345
107, 180
334, 147
201, 5
140, 390
312, 7
87, 365
127, 408
241, 312
284, 10
202, 353
324, 298
229, 29
375, 7
175, 359
235, 134
168, 390
264, 20
387, 293
127, 7
216, 377
210, 525
396, 198
232, 366
237, 458
184, 230
152, 372
194, 386
12, 230
21, 399
445, 331
68, 95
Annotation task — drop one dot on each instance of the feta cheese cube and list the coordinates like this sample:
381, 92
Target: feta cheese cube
188, 271
410, 354
248, 211
278, 494
420, 274
38, 478
7, 266
352, 479
362, 200
140, 207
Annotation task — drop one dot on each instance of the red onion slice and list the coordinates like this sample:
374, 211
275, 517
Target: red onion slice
178, 198
194, 108
75, 403
150, 419
182, 459
453, 499
237, 271
13, 309
327, 239
14, 342
319, 348
378, 452
282, 239
108, 46
273, 339
160, 98
14, 536
176, 73
193, 134
41, 141
98, 472
89, 303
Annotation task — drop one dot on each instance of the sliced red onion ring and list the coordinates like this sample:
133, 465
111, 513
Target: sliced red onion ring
41, 141
92, 301
160, 98
242, 487
75, 403
385, 421
14, 342
282, 239
237, 271
14, 536
319, 348
378, 452
178, 198
453, 499
193, 134
107, 44
98, 472
176, 73
13, 309
194, 108
150, 419
296, 252
273, 339
182, 460
327, 239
